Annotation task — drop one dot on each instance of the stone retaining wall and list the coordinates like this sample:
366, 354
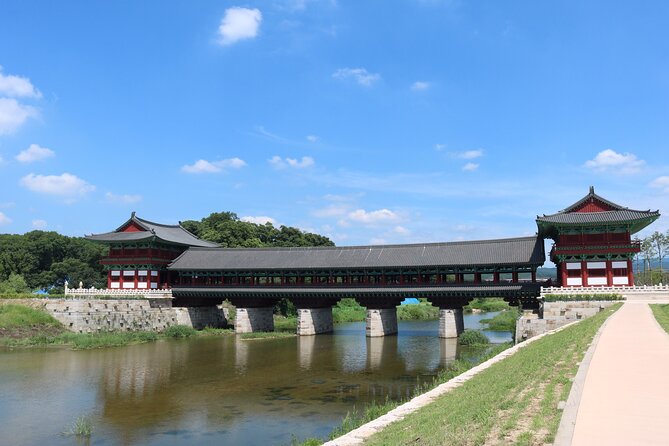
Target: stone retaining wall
90, 316
557, 314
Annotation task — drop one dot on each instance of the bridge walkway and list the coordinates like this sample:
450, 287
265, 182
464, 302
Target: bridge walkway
625, 397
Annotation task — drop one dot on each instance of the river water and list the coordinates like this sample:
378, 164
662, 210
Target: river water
217, 390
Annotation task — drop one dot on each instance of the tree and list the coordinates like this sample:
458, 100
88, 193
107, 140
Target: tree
659, 242
14, 284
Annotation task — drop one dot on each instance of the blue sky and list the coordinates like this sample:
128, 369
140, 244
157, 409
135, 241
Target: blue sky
369, 122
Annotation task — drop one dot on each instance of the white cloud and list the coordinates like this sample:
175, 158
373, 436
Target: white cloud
661, 183
334, 210
360, 75
17, 86
378, 241
13, 115
1, 160
373, 217
123, 199
34, 153
204, 166
39, 224
439, 147
420, 86
66, 185
470, 167
312, 138
4, 220
239, 24
611, 161
280, 163
259, 219
469, 154
401, 230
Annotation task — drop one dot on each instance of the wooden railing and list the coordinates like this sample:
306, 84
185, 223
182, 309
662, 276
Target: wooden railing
606, 289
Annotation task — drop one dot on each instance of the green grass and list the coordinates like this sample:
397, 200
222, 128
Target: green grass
348, 310
356, 418
512, 402
487, 305
26, 327
18, 316
472, 337
422, 311
266, 335
504, 321
285, 323
581, 297
82, 427
661, 313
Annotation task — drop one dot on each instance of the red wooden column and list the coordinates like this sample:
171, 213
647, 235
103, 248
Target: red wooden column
609, 273
495, 277
514, 277
108, 279
563, 274
584, 273
136, 279
534, 275
630, 273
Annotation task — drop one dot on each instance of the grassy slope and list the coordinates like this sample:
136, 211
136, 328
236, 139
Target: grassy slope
512, 402
25, 327
661, 312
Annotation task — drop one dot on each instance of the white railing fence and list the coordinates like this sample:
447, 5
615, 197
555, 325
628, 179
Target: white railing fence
606, 289
92, 292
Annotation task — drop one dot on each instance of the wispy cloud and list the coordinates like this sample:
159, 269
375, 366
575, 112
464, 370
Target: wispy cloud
312, 138
4, 220
470, 167
359, 75
239, 24
613, 162
439, 147
258, 219
373, 217
468, 154
281, 163
420, 86
34, 153
17, 86
65, 185
122, 199
661, 183
39, 224
204, 166
13, 115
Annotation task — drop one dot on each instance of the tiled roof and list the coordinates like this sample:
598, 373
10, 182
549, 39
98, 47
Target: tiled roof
524, 250
619, 216
592, 196
482, 290
169, 233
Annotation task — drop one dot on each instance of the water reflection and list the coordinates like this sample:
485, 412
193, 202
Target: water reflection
215, 390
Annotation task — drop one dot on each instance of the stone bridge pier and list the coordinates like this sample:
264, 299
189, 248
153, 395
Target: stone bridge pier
254, 315
314, 316
381, 315
451, 318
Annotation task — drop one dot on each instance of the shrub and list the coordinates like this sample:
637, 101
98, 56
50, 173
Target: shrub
179, 331
473, 337
581, 297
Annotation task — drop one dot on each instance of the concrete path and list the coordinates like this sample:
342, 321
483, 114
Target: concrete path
625, 399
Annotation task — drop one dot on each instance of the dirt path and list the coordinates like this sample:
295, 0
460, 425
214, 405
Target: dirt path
625, 399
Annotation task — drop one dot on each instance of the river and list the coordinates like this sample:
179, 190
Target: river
217, 390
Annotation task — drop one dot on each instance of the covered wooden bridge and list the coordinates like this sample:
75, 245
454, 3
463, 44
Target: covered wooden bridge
448, 274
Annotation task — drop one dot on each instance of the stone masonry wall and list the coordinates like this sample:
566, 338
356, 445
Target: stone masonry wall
557, 314
94, 315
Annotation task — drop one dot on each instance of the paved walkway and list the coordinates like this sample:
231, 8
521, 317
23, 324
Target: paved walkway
625, 399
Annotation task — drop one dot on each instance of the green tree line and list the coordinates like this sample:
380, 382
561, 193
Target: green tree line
649, 263
45, 260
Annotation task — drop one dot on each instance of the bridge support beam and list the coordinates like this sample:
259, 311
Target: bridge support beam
381, 322
250, 320
451, 323
312, 321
